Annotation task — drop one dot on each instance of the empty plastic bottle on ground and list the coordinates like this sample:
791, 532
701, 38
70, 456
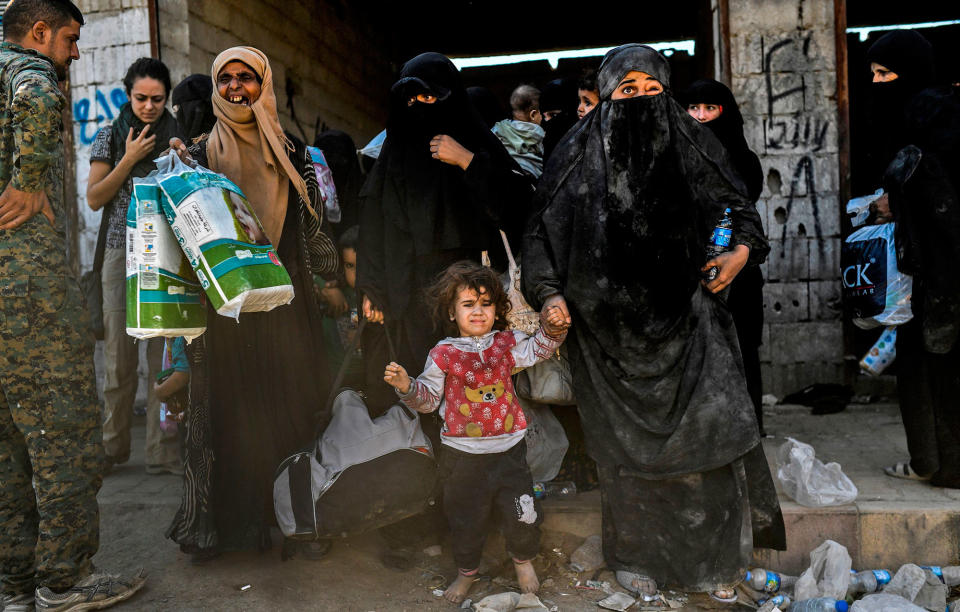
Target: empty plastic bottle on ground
760, 579
820, 604
868, 581
950, 575
780, 602
589, 556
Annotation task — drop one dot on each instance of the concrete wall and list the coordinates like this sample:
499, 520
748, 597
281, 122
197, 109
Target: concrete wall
116, 33
333, 58
783, 68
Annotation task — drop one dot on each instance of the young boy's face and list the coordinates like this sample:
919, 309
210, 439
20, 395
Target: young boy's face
350, 266
474, 313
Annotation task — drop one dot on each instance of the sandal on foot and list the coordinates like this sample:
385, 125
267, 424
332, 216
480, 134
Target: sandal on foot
718, 595
903, 470
641, 585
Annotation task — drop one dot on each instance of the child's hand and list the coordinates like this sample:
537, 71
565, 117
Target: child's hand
336, 301
396, 377
554, 321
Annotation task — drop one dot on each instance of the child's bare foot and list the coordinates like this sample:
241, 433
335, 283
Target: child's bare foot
459, 588
526, 576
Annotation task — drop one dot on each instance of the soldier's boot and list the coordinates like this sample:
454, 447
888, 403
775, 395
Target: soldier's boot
95, 592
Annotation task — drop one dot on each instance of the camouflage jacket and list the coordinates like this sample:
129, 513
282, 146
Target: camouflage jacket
31, 159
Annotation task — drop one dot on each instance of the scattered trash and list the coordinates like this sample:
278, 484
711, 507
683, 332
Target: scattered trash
777, 602
437, 592
868, 581
828, 574
907, 582
589, 556
884, 602
617, 601
808, 481
824, 398
433, 551
820, 604
246, 587
769, 399
467, 604
767, 581
508, 602
600, 586
933, 594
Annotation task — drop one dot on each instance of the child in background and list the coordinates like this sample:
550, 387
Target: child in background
340, 319
483, 457
171, 385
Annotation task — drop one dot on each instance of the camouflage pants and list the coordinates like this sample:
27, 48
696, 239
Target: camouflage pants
50, 438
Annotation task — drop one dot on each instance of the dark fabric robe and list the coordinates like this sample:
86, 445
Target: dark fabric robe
258, 391
745, 298
418, 214
625, 208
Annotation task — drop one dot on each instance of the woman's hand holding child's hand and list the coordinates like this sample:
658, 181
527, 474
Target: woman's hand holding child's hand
396, 376
554, 320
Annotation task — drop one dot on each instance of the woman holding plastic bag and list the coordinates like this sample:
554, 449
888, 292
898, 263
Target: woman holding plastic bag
625, 207
257, 382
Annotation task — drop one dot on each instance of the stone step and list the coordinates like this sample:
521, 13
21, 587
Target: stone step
877, 534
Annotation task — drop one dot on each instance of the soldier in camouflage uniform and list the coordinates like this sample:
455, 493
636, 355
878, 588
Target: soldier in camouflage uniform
50, 433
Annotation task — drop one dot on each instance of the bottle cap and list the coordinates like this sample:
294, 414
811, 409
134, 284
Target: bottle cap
748, 576
842, 606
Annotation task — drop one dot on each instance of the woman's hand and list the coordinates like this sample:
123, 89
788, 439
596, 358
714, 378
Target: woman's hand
397, 377
141, 146
449, 151
557, 302
181, 149
335, 300
554, 320
728, 265
371, 312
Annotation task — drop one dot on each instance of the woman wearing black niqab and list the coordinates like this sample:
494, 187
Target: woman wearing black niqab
559, 100
191, 102
626, 205
703, 100
441, 189
902, 62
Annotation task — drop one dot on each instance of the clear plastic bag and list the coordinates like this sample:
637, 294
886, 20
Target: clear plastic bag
828, 574
808, 481
884, 602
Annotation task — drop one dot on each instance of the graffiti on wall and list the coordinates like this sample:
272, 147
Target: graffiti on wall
90, 111
795, 129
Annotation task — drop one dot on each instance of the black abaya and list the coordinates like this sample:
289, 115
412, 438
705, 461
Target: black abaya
626, 206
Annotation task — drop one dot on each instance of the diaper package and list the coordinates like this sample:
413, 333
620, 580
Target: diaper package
223, 240
164, 297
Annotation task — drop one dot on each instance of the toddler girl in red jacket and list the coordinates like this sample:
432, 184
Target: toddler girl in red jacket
483, 459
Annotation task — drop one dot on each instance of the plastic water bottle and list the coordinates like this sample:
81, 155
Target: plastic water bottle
777, 601
820, 604
589, 556
769, 582
949, 575
867, 581
719, 241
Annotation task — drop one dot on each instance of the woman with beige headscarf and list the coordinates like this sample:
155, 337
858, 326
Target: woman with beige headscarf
255, 385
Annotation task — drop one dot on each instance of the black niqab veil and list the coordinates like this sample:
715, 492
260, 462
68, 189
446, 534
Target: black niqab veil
415, 207
728, 128
487, 105
194, 109
558, 94
627, 204
911, 56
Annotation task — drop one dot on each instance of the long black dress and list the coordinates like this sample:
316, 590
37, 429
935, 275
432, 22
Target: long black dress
418, 215
924, 186
257, 391
745, 298
626, 205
